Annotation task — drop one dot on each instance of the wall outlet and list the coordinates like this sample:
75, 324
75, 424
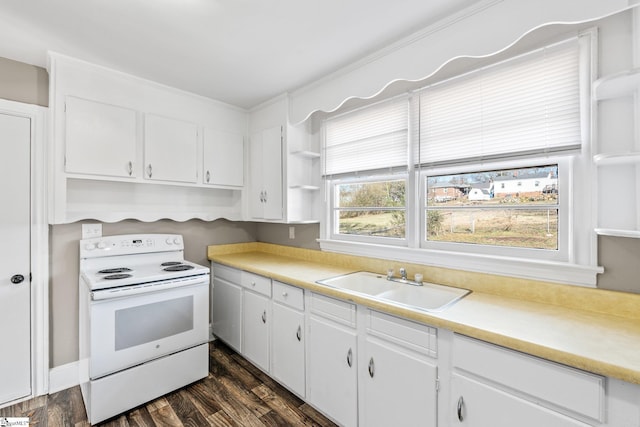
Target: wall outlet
90, 231
292, 232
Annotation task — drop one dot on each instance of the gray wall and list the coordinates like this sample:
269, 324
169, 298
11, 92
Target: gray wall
24, 83
305, 235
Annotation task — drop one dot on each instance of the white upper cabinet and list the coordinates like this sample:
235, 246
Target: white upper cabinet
266, 174
292, 152
223, 158
170, 149
128, 148
100, 139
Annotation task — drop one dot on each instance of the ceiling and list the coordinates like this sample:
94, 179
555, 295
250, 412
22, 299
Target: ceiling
242, 52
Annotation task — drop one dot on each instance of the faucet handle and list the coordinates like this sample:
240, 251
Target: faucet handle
403, 273
390, 273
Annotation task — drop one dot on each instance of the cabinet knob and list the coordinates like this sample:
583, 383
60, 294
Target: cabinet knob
350, 358
285, 294
371, 367
460, 409
17, 278
264, 316
299, 333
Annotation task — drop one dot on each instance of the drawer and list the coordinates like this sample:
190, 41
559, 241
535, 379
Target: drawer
331, 308
227, 273
288, 295
256, 283
560, 386
412, 335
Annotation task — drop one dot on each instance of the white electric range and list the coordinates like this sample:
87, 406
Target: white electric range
144, 321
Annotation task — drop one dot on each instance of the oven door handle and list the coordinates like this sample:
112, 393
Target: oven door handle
143, 288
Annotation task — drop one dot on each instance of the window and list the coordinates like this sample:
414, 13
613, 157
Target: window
482, 164
366, 162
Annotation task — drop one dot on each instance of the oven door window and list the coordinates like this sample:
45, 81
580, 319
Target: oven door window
152, 322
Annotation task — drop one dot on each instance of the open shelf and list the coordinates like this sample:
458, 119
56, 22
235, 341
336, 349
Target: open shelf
617, 85
617, 233
306, 154
625, 158
304, 187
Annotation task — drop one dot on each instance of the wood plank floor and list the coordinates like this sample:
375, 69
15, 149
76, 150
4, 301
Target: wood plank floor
235, 394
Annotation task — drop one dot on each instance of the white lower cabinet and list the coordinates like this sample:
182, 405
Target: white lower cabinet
332, 380
494, 386
288, 337
226, 306
256, 319
398, 377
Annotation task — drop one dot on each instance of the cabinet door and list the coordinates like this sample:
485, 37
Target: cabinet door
272, 172
170, 149
100, 139
287, 362
475, 404
394, 378
255, 327
332, 382
266, 174
226, 312
223, 162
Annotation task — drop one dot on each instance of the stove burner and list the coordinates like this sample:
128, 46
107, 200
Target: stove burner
181, 267
117, 276
169, 263
114, 270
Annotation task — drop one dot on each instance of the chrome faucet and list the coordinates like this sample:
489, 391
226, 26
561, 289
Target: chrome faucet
403, 273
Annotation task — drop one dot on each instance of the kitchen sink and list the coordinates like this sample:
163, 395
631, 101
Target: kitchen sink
428, 297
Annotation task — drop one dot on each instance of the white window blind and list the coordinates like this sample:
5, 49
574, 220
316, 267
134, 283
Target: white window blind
371, 139
528, 105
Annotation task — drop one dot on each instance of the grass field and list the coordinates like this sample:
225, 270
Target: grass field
505, 227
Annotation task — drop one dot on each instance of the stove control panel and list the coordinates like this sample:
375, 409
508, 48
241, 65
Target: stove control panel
130, 244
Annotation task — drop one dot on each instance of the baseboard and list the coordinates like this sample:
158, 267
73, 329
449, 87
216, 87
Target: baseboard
64, 376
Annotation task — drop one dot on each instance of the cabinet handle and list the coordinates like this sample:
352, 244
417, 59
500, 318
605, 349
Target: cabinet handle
130, 168
299, 333
208, 176
262, 197
371, 367
285, 294
149, 171
265, 196
264, 316
350, 358
460, 408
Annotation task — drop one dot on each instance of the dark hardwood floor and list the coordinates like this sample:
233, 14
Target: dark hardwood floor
235, 393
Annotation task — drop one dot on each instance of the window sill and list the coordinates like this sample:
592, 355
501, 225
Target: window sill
547, 271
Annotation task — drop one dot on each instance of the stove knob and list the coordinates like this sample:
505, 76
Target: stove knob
101, 245
169, 241
89, 246
176, 241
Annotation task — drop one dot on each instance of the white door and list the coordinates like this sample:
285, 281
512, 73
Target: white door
287, 364
223, 158
272, 172
255, 325
170, 149
15, 219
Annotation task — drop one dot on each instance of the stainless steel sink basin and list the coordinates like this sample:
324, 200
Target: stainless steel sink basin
428, 297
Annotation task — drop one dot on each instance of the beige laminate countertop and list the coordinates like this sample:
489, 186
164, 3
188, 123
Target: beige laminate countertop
590, 329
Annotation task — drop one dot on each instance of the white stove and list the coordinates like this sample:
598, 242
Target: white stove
144, 321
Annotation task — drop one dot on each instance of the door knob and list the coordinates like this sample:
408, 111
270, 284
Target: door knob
17, 278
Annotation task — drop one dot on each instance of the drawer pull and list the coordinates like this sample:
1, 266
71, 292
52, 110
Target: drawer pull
372, 368
460, 409
285, 294
350, 358
299, 333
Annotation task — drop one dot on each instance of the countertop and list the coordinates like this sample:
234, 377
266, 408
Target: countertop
590, 329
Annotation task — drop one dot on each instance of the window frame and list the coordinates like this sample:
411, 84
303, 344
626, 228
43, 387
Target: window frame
334, 210
565, 173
